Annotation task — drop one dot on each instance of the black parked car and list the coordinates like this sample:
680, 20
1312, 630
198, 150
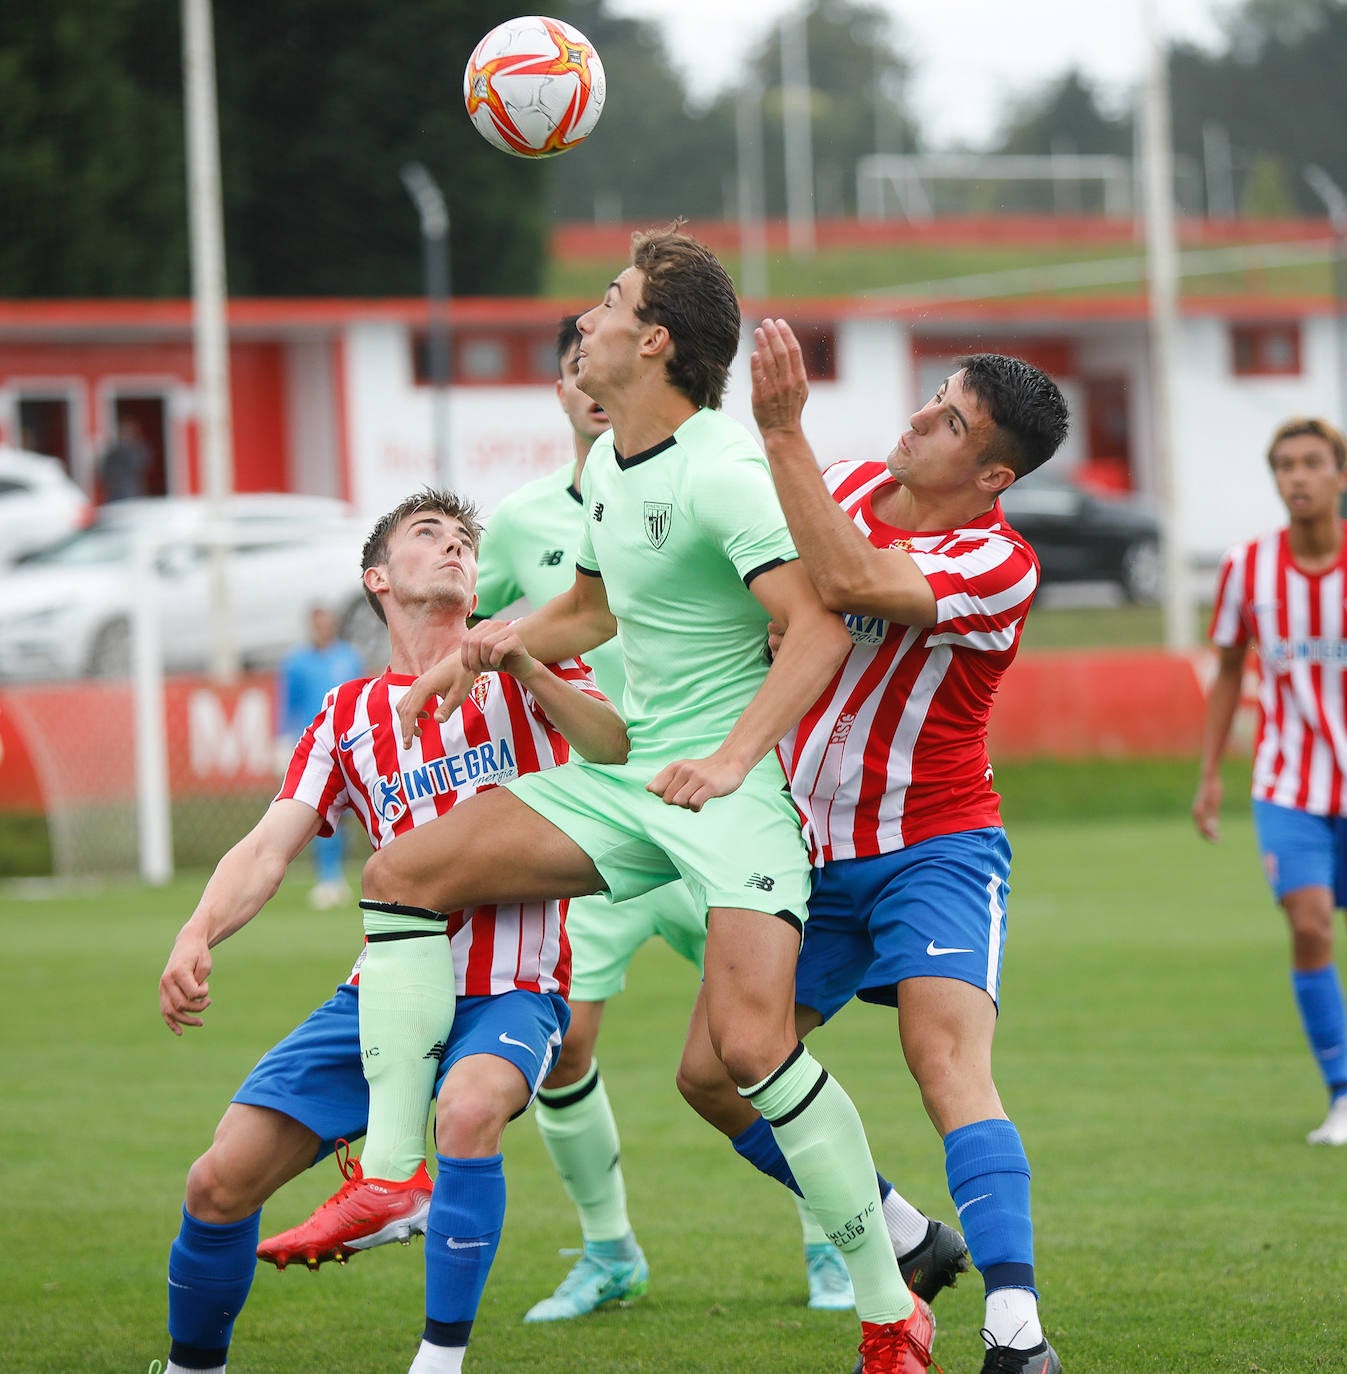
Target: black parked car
1082, 536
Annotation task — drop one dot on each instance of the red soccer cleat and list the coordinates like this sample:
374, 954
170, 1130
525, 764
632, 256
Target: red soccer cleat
362, 1213
899, 1347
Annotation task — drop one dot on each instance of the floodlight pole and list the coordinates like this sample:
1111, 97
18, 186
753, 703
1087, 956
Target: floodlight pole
1335, 202
752, 228
434, 213
1162, 271
210, 333
799, 138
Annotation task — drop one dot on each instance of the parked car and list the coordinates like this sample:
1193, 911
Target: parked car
39, 503
1084, 536
67, 609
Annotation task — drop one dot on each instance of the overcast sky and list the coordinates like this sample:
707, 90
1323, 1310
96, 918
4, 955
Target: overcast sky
968, 56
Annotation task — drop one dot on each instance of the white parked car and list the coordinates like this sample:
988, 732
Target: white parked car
66, 610
39, 503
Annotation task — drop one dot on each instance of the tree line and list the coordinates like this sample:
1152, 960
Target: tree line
321, 103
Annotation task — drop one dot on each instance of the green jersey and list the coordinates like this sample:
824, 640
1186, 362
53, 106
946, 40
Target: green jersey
678, 533
528, 550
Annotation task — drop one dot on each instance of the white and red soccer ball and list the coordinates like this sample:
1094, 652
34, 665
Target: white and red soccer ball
534, 87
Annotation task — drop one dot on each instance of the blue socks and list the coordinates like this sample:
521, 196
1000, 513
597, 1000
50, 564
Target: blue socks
210, 1270
988, 1177
467, 1212
1318, 994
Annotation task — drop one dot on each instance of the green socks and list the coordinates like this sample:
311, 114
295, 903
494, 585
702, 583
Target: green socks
820, 1133
578, 1129
406, 1010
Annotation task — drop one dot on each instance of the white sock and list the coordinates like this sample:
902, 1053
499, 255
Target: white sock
1012, 1318
438, 1359
906, 1225
171, 1368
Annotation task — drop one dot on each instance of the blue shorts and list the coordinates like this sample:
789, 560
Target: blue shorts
314, 1074
934, 910
1301, 850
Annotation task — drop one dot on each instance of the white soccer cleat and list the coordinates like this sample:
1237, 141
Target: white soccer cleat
1334, 1129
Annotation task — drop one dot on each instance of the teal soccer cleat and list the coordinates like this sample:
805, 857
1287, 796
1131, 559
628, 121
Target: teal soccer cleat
829, 1283
592, 1283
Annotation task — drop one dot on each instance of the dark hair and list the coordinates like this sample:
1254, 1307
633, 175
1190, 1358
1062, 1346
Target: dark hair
688, 291
1025, 405
1321, 429
428, 499
568, 335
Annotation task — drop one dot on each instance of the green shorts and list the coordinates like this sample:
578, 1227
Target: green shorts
744, 850
605, 936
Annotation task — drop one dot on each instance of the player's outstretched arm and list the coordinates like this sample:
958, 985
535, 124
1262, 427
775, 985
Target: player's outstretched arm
1222, 703
849, 572
812, 647
590, 725
243, 882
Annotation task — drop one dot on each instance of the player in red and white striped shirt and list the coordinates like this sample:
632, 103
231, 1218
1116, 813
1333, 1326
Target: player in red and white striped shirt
1285, 596
890, 771
509, 965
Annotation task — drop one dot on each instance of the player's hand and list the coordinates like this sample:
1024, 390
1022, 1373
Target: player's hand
692, 783
448, 680
492, 646
184, 990
1207, 810
780, 384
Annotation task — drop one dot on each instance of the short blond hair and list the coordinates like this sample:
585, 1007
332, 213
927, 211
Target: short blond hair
1321, 429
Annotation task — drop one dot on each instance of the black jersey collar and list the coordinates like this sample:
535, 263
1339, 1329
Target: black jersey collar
625, 463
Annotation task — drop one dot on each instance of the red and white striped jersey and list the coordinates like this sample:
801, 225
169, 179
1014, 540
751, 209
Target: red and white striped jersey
895, 750
1298, 623
352, 758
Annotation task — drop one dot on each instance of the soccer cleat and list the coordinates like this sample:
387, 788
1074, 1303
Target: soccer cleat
362, 1213
829, 1283
898, 1347
936, 1263
1334, 1129
1002, 1359
593, 1282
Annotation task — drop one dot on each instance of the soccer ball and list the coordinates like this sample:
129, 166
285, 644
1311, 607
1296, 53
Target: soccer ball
534, 87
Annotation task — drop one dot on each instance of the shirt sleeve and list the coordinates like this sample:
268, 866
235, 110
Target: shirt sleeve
497, 586
314, 776
735, 503
984, 584
1229, 627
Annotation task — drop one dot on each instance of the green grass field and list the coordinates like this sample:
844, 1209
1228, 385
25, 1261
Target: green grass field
1148, 1051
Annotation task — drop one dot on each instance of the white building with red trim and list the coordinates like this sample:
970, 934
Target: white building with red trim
330, 396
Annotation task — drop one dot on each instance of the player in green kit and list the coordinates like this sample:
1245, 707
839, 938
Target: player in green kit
685, 556
528, 551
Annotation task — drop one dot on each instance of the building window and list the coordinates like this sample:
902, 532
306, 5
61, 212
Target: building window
491, 356
818, 343
1265, 350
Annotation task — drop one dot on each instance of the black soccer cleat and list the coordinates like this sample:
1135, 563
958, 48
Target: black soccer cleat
1041, 1359
936, 1263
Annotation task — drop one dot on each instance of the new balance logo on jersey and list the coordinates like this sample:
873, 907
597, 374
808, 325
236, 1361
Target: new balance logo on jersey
658, 518
760, 881
596, 515
551, 558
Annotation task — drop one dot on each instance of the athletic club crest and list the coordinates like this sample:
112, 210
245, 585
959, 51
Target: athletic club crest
658, 517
